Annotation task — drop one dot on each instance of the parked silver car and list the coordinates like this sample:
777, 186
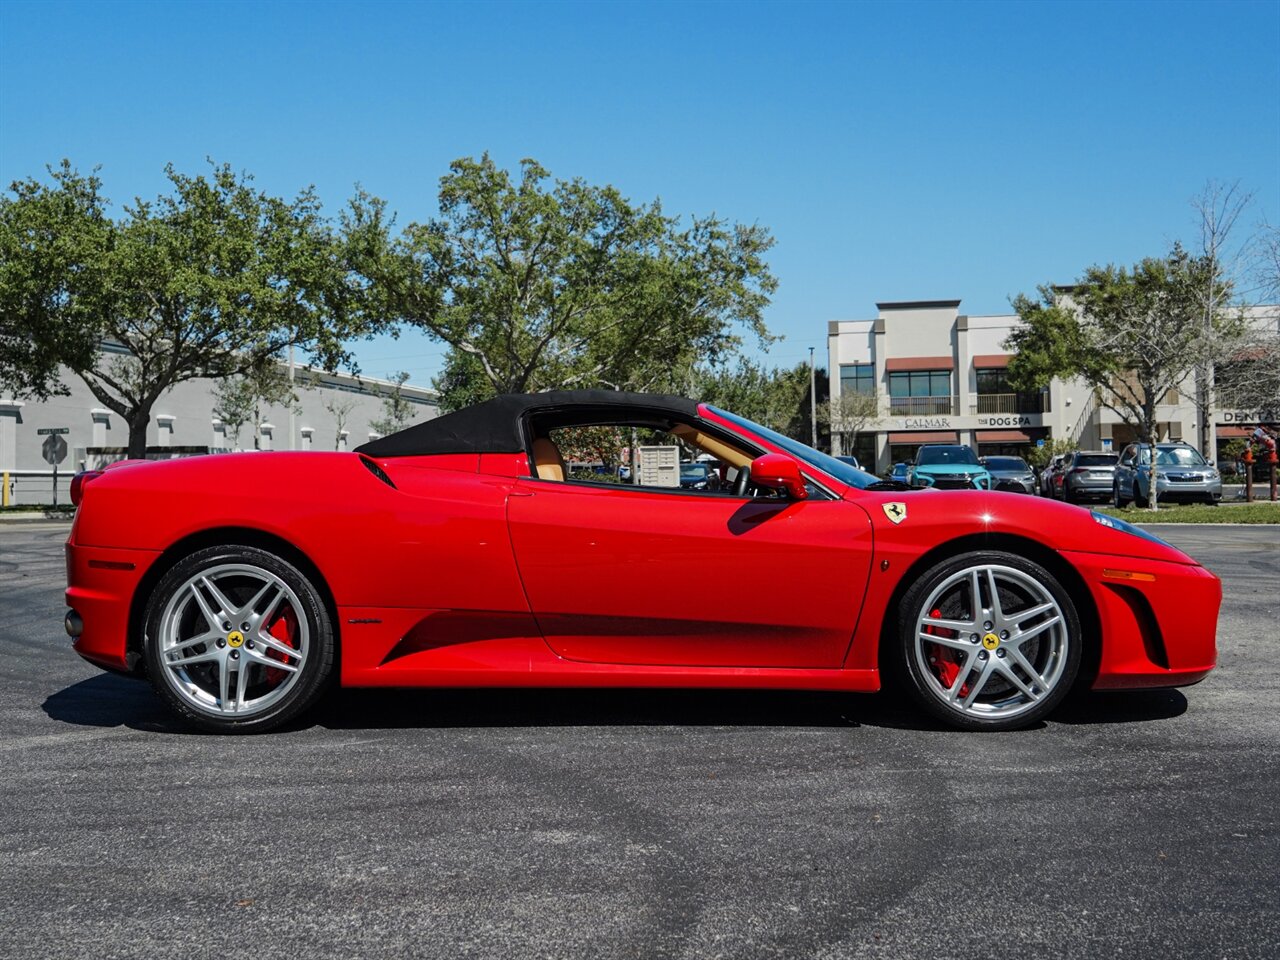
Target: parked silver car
1010, 473
1088, 475
1183, 474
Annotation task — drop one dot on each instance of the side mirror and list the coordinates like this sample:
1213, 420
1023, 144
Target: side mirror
777, 472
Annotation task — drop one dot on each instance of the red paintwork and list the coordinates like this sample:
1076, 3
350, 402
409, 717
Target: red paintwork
478, 574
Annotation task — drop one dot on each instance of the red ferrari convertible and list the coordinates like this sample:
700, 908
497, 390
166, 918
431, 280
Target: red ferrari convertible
462, 551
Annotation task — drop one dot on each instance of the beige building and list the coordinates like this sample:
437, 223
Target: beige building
940, 376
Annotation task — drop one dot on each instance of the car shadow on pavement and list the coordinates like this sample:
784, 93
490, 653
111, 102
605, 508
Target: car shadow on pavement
112, 701
1137, 706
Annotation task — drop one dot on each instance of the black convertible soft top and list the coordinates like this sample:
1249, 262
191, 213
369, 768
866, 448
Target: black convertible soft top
495, 426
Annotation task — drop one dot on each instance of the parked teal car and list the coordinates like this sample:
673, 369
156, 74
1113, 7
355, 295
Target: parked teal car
949, 466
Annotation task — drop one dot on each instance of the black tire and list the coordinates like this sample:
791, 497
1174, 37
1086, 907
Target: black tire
1139, 500
1058, 654
1067, 495
1116, 500
302, 691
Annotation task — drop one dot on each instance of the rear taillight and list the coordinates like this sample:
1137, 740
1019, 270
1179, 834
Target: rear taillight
1080, 470
79, 482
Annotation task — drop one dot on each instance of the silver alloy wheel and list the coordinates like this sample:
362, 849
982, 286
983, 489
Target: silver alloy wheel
216, 644
1003, 633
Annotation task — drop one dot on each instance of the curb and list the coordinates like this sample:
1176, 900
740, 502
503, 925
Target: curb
35, 516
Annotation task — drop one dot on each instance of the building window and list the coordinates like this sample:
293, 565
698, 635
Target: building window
995, 395
920, 392
858, 378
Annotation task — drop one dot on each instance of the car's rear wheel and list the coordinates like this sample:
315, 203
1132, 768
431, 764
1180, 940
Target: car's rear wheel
989, 641
1116, 499
238, 640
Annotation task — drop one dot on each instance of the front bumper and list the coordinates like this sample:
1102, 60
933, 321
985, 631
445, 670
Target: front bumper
101, 583
1156, 632
1198, 490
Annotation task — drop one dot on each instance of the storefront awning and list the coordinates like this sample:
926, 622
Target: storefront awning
1230, 433
900, 364
925, 436
989, 360
1004, 436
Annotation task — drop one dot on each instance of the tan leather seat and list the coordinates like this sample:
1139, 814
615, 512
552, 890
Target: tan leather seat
547, 460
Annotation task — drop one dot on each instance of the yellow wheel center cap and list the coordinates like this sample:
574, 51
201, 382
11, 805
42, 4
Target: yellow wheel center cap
990, 641
235, 638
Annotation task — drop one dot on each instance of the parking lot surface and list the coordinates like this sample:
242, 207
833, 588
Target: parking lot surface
639, 823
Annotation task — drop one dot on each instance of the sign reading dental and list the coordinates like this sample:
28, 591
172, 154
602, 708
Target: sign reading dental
1250, 416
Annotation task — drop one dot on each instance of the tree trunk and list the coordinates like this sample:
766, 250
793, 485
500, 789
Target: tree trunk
1152, 429
138, 433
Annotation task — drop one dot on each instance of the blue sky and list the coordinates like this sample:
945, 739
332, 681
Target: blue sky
896, 151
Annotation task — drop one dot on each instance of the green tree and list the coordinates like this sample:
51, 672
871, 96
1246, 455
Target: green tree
537, 285
210, 280
397, 409
51, 241
777, 398
1133, 335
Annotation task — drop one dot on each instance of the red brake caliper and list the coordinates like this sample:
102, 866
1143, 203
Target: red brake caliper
284, 629
946, 663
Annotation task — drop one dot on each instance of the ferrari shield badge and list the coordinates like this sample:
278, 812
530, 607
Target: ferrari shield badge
896, 512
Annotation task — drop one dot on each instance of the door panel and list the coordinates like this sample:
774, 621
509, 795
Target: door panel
625, 575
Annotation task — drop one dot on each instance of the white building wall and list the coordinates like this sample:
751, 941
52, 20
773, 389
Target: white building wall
183, 419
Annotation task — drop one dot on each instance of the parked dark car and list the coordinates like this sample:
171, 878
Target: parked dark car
1183, 474
1087, 475
1011, 474
1049, 475
699, 476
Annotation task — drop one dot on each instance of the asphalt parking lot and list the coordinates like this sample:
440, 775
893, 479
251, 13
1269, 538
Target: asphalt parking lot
639, 824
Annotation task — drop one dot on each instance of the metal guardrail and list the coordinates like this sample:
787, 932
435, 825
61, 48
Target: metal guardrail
923, 406
21, 488
1008, 403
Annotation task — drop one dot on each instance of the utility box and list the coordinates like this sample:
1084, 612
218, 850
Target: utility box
659, 466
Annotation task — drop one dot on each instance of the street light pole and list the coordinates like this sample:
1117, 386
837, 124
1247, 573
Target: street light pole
813, 403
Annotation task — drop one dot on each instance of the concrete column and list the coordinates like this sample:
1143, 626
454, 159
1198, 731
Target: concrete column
219, 439
101, 424
265, 431
966, 378
342, 439
306, 438
10, 417
164, 429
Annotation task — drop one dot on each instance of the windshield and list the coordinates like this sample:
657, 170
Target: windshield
949, 455
1179, 457
690, 471
828, 465
1096, 459
1008, 464
1172, 457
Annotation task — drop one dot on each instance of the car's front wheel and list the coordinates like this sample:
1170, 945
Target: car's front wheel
1138, 499
989, 641
238, 640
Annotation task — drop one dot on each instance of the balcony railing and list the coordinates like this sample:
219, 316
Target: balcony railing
922, 406
1009, 403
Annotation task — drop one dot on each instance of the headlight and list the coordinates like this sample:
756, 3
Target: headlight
1124, 526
